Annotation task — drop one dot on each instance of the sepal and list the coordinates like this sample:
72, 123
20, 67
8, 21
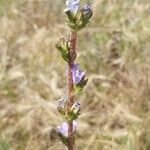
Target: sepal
61, 110
75, 111
70, 15
79, 20
63, 46
86, 17
86, 12
61, 106
63, 139
79, 87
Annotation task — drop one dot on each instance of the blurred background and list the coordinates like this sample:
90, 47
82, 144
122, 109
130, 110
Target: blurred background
114, 49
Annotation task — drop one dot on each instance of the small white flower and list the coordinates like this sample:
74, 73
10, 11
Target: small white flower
63, 128
72, 5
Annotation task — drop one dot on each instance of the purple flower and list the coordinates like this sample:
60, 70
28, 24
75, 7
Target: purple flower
77, 74
72, 5
87, 8
63, 128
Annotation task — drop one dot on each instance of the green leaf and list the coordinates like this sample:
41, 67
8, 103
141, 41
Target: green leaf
65, 56
63, 139
70, 16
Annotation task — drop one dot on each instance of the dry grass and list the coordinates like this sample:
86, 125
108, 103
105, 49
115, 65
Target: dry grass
115, 51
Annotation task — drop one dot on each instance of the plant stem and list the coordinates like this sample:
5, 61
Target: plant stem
70, 101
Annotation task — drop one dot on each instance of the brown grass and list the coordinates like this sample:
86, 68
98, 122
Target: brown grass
115, 51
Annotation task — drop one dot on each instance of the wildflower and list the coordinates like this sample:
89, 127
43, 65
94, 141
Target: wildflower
72, 5
87, 8
77, 74
63, 128
87, 13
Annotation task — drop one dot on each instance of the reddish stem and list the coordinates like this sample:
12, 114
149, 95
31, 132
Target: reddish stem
70, 100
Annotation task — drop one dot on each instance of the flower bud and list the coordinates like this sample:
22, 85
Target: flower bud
86, 13
61, 106
75, 108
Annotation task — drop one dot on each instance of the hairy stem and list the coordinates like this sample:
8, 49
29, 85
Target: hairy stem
70, 100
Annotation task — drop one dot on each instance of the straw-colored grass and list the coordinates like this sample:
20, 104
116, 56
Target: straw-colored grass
115, 51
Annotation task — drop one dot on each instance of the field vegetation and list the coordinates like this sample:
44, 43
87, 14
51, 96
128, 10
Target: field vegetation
115, 51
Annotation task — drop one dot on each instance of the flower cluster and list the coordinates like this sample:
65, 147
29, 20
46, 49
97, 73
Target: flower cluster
73, 112
77, 18
69, 109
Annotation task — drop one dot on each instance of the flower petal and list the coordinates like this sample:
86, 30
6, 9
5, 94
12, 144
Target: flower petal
77, 74
72, 5
63, 128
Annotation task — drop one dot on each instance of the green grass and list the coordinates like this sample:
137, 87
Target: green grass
4, 144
